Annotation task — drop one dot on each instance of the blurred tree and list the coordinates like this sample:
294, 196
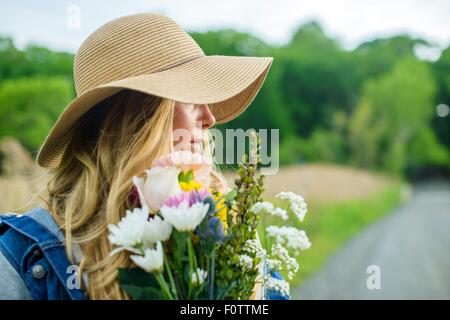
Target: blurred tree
230, 42
393, 109
441, 70
426, 150
372, 106
318, 78
30, 106
33, 60
269, 111
364, 135
379, 56
11, 59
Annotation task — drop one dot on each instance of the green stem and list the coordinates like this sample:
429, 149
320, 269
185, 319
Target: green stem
190, 253
169, 272
264, 233
211, 273
162, 283
194, 257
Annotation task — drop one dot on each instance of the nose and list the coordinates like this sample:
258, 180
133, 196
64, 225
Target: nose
207, 117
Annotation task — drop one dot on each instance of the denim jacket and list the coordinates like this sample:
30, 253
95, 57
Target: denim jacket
33, 246
34, 261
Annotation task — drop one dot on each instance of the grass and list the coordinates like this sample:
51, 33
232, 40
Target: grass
329, 226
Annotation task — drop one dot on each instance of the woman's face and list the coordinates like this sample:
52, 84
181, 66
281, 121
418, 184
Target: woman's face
190, 121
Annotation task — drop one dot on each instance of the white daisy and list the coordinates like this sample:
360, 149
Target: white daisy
198, 277
153, 259
128, 233
185, 218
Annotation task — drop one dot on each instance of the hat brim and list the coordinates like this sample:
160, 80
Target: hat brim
228, 83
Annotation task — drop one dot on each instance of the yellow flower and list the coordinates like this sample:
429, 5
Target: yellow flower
222, 209
191, 185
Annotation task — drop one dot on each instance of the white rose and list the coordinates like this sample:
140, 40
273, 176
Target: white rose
160, 183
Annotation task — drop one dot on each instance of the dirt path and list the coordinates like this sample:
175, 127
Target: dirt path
409, 248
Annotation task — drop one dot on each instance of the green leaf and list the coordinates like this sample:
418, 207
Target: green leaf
223, 292
229, 197
186, 176
136, 275
139, 284
140, 293
179, 249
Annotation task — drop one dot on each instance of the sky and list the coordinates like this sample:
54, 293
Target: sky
351, 22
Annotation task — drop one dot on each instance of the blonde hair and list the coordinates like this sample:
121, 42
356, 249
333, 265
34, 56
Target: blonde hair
113, 141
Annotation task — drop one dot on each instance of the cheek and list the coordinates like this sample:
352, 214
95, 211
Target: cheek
183, 126
183, 119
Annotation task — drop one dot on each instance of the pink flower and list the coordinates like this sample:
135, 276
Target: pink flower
159, 184
185, 161
176, 200
190, 197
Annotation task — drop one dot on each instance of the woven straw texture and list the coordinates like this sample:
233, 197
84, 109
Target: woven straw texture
150, 53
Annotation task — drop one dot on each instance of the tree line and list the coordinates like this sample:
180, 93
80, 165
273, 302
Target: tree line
372, 107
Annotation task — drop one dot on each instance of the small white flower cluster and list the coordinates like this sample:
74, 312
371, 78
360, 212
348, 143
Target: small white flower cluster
293, 238
296, 202
246, 261
281, 254
278, 285
266, 207
198, 277
273, 264
254, 248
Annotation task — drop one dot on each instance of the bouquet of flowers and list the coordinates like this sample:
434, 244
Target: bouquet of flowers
189, 241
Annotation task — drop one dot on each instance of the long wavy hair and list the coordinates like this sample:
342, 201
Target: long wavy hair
113, 141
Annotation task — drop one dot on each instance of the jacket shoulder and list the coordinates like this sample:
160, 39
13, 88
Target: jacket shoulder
40, 215
33, 244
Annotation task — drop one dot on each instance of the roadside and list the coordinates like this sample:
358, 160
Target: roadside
407, 249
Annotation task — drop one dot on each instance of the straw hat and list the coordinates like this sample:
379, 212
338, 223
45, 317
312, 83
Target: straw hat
150, 53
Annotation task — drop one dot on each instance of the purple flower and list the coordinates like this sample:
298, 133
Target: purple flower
190, 197
213, 230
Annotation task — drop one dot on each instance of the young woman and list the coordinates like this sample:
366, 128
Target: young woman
138, 78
